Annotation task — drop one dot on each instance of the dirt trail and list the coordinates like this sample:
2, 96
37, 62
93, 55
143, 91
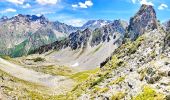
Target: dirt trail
59, 83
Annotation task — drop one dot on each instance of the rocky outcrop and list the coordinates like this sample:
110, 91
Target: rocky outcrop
145, 19
64, 28
167, 26
79, 39
114, 31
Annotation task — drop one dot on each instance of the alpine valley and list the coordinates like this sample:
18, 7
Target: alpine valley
102, 60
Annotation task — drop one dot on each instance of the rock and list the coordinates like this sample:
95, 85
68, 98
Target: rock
150, 80
167, 97
168, 73
150, 71
131, 70
145, 19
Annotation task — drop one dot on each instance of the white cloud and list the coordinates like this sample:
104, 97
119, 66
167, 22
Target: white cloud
26, 6
146, 2
74, 6
45, 13
47, 2
133, 1
82, 5
162, 7
8, 10
89, 3
70, 20
86, 4
75, 22
16, 1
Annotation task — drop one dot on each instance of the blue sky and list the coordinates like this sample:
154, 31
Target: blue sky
77, 12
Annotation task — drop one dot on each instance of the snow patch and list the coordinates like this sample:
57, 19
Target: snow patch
75, 65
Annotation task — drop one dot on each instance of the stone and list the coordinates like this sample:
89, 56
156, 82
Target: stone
168, 73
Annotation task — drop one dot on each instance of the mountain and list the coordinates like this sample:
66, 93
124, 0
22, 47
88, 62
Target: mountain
27, 32
144, 19
93, 24
4, 18
88, 45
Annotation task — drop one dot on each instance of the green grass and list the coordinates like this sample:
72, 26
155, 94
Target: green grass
5, 57
117, 81
149, 94
118, 96
129, 48
54, 70
19, 50
82, 76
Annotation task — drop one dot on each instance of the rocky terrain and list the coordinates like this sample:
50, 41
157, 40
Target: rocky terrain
102, 60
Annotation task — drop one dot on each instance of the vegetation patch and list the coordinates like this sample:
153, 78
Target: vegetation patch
5, 57
118, 96
54, 70
149, 94
38, 59
19, 49
82, 76
129, 48
117, 81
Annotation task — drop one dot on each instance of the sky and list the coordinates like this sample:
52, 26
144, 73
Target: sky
78, 12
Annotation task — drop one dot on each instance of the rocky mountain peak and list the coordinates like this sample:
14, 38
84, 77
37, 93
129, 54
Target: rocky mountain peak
30, 18
144, 19
4, 18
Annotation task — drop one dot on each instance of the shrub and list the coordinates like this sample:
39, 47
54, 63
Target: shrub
38, 59
118, 96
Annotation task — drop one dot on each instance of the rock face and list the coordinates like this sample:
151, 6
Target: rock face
22, 33
114, 32
167, 26
86, 49
145, 19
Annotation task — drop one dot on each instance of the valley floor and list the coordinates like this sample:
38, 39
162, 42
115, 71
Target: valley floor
38, 80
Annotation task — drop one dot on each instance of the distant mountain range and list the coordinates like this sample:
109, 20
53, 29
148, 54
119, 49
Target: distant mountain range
23, 33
